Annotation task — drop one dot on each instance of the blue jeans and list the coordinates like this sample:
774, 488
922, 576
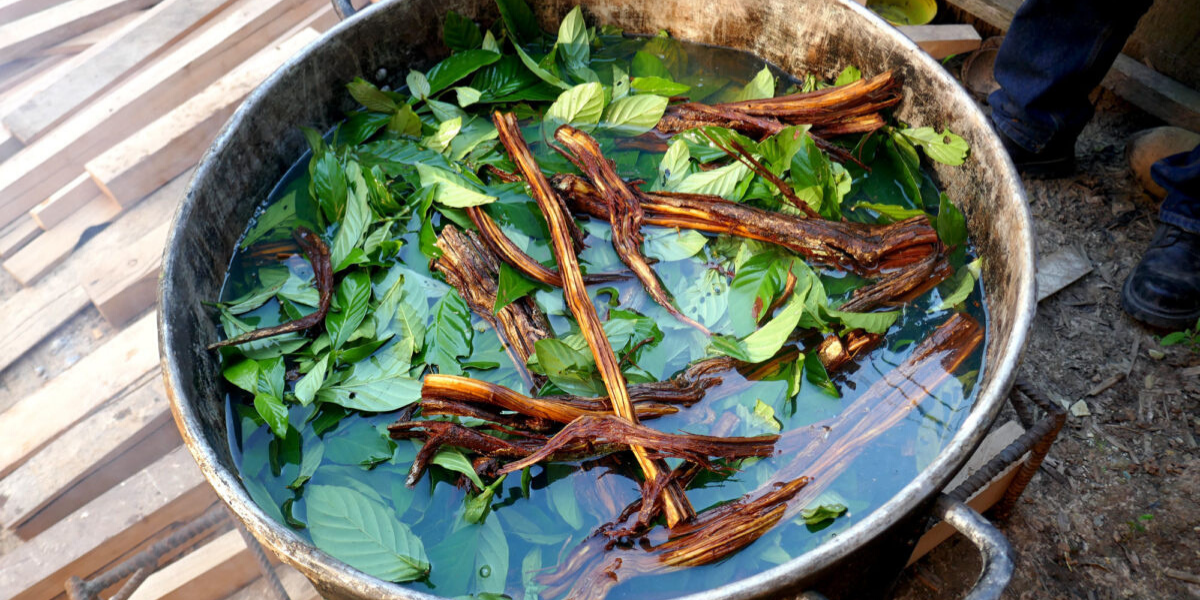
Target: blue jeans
1056, 52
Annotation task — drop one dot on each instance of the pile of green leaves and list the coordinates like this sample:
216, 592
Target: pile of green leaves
381, 184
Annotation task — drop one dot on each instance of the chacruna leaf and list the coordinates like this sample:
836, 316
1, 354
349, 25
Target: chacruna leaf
581, 106
364, 534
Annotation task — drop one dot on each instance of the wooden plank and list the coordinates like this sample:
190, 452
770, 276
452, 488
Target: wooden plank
168, 491
11, 10
941, 41
41, 255
1140, 85
126, 285
25, 36
168, 146
111, 370
9, 145
993, 444
294, 583
152, 33
210, 572
95, 36
33, 313
1154, 93
16, 235
51, 162
65, 202
121, 438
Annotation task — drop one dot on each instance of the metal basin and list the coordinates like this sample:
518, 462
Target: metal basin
262, 140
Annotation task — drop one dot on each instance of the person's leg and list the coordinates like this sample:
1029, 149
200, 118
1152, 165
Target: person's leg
1055, 53
1164, 288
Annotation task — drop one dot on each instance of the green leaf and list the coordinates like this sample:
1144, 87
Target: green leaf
458, 66
573, 44
542, 74
823, 512
635, 115
243, 374
766, 416
490, 43
506, 76
648, 65
571, 369
370, 96
950, 223
472, 560
767, 341
519, 21
467, 96
762, 86
848, 75
477, 506
674, 166
961, 286
361, 445
354, 222
278, 215
364, 534
446, 132
875, 322
404, 311
1175, 337
531, 567
945, 147
306, 388
512, 286
449, 336
451, 189
816, 374
581, 106
722, 181
418, 84
752, 290
454, 460
659, 85
314, 451
329, 185
812, 179
273, 411
405, 122
890, 212
270, 280
460, 33
349, 306
374, 385
562, 498
672, 244
620, 85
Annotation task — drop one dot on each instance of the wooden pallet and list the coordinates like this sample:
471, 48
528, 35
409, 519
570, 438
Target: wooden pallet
106, 106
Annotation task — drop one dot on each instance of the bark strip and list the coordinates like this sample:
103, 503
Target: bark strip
624, 212
675, 504
472, 269
318, 256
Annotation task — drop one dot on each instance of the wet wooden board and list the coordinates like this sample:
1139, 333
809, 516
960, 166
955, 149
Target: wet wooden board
151, 34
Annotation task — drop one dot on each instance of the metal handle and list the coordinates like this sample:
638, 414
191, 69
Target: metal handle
344, 9
993, 547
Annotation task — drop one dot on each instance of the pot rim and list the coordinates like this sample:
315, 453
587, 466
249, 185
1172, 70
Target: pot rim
315, 563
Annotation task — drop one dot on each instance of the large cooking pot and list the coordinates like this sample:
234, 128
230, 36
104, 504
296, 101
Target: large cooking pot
262, 140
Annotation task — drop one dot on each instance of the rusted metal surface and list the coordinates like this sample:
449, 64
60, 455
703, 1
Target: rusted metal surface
383, 41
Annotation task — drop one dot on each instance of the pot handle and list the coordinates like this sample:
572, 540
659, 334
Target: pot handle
996, 552
344, 9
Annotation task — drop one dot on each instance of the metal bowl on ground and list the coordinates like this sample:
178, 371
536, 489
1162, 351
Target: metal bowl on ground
263, 140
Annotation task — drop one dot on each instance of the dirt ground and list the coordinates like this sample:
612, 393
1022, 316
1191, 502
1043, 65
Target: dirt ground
1115, 510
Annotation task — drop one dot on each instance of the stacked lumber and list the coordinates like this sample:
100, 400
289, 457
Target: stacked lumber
106, 106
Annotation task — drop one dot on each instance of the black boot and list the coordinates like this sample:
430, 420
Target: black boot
1056, 160
1163, 290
